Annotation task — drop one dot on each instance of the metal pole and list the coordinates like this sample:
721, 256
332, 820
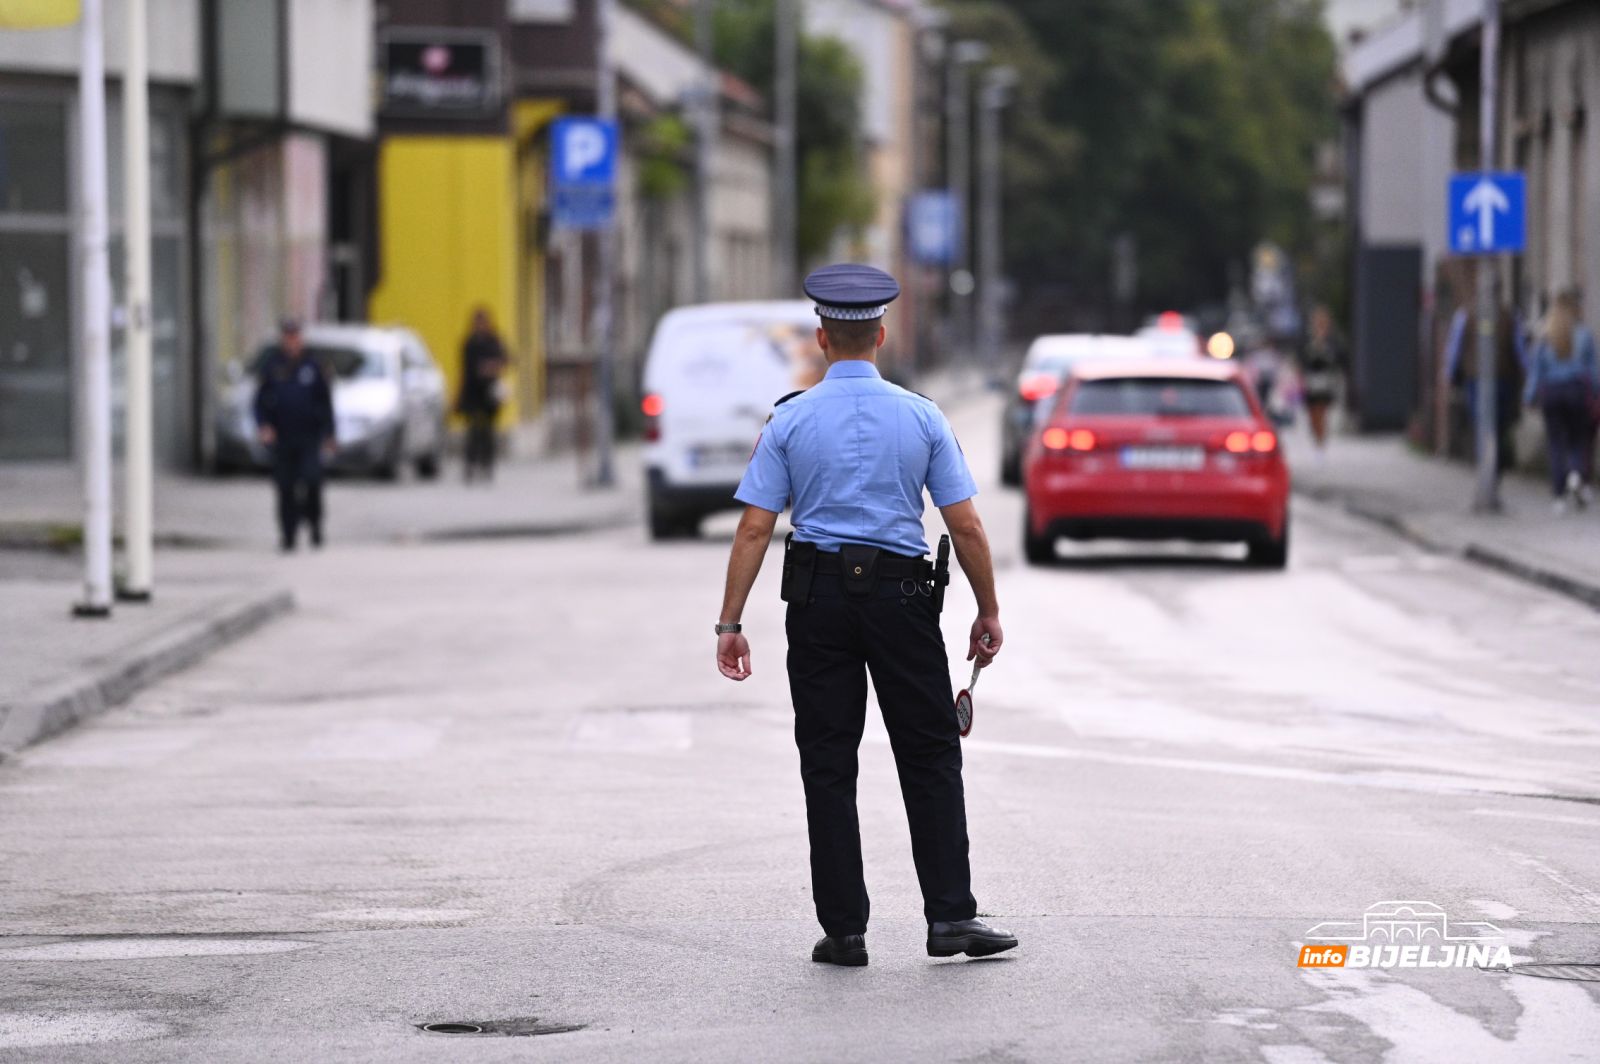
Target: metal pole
137, 446
706, 133
785, 193
996, 86
959, 166
604, 317
94, 323
1488, 486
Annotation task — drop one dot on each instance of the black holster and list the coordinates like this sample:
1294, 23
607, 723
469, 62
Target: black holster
941, 573
799, 567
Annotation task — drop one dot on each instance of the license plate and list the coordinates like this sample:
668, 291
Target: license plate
1163, 457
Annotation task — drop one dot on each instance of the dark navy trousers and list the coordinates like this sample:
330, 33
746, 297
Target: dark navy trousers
834, 642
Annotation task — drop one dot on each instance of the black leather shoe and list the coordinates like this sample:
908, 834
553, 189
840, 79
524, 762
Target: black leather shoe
972, 937
848, 950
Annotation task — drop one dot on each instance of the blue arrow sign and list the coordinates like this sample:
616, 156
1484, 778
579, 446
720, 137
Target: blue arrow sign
583, 172
1488, 213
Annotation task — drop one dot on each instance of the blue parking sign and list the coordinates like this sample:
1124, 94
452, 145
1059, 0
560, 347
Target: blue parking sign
583, 172
1488, 213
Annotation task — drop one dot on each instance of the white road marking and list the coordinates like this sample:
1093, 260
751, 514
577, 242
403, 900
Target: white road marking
376, 739
1549, 818
632, 733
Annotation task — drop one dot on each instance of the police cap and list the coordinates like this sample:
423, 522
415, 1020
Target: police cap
851, 291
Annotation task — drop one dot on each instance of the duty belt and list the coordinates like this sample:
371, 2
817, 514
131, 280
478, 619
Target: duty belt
888, 567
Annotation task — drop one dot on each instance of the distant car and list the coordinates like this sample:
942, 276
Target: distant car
1172, 335
389, 403
1043, 369
1157, 449
711, 377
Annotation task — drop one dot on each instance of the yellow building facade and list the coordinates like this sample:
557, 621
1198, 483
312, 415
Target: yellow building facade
458, 222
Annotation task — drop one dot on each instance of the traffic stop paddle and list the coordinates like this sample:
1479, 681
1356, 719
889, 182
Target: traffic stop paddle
964, 699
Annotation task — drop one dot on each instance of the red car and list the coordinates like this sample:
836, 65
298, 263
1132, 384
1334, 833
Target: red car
1157, 450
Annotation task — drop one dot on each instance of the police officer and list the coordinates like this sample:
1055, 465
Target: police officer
854, 454
294, 417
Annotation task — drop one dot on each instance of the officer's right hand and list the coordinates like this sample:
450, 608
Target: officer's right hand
977, 648
733, 655
266, 435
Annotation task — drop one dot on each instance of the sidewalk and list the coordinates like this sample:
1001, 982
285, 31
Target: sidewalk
56, 670
1429, 500
43, 504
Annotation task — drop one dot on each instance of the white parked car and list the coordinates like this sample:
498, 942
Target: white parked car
389, 402
711, 377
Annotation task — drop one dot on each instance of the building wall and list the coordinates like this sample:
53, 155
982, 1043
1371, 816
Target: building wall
448, 220
1406, 146
174, 43
1551, 88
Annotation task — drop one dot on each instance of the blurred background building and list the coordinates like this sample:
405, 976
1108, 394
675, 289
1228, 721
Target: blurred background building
1412, 117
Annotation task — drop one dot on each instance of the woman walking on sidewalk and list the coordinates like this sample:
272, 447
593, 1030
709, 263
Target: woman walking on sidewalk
1319, 369
1564, 380
483, 361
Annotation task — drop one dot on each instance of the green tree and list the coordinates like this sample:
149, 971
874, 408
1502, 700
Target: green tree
1190, 124
835, 191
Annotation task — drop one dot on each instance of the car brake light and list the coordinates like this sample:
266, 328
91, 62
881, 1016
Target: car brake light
1080, 440
1264, 441
1055, 439
1237, 442
652, 405
1038, 387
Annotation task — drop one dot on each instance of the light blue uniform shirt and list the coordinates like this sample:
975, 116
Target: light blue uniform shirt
854, 453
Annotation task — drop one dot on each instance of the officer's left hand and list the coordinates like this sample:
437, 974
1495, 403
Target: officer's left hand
733, 655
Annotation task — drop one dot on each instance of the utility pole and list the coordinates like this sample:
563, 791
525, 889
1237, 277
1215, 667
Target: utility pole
94, 322
958, 174
604, 315
1488, 490
786, 188
705, 137
138, 508
997, 85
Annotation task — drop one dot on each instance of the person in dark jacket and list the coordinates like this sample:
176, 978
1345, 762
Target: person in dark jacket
483, 361
294, 417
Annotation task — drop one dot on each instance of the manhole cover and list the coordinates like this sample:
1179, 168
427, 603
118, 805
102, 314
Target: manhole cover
1589, 973
525, 1027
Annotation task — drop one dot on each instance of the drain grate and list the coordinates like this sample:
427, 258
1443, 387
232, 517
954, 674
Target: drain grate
1588, 973
522, 1027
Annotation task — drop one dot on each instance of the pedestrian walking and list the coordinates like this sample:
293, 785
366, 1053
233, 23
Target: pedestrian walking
1461, 367
483, 365
294, 418
1564, 381
853, 454
1320, 360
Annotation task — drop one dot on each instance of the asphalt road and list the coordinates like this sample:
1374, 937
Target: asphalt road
503, 782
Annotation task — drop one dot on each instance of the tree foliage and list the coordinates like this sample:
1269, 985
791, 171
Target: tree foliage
835, 192
1191, 125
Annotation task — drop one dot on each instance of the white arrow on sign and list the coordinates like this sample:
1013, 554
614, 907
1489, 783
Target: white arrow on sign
1484, 199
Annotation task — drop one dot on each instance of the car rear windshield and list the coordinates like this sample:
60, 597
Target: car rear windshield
1160, 397
346, 363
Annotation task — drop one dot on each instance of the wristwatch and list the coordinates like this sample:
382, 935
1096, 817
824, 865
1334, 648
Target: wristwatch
725, 629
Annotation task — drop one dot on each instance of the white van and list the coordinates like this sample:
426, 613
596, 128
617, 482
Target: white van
711, 378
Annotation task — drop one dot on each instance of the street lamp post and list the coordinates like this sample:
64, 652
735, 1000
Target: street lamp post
94, 323
605, 330
1487, 497
138, 512
786, 192
958, 175
997, 85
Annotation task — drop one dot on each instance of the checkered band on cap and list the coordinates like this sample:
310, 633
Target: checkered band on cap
850, 313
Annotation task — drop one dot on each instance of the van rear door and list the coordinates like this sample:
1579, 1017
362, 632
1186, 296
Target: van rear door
717, 381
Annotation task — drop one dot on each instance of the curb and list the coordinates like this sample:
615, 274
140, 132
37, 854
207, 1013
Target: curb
1487, 557
55, 707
